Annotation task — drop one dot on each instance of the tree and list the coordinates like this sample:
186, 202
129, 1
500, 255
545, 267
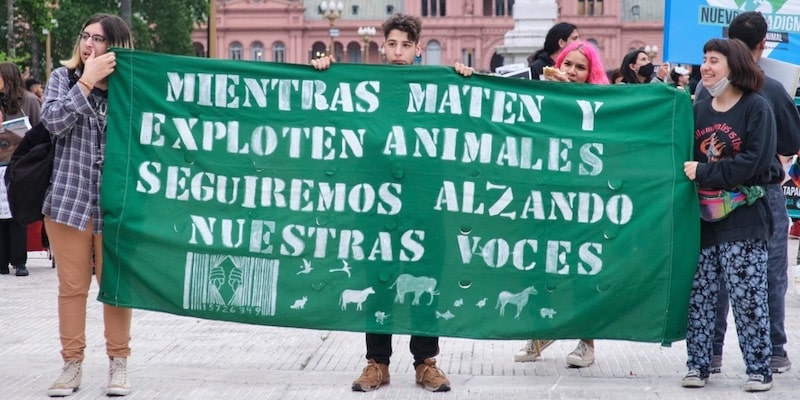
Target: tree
170, 28
125, 11
9, 24
163, 26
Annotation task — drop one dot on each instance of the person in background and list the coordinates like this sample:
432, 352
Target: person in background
694, 78
15, 102
734, 149
680, 78
579, 62
751, 28
662, 73
401, 47
75, 114
637, 67
614, 76
558, 37
35, 87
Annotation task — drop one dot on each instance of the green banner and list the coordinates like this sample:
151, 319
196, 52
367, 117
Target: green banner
393, 199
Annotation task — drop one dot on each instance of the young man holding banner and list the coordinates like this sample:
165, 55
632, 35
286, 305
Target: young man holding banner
751, 28
401, 47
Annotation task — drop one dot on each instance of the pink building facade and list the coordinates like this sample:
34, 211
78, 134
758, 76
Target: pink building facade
295, 31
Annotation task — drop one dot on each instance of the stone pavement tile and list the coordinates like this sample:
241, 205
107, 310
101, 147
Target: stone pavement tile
186, 358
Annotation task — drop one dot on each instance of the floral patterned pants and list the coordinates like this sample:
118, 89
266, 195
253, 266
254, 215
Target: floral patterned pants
743, 265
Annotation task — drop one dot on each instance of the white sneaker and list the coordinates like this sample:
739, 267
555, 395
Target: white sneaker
118, 377
582, 356
532, 350
68, 382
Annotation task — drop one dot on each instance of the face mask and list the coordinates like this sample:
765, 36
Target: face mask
646, 70
719, 87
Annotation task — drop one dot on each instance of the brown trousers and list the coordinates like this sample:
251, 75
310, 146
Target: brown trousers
72, 251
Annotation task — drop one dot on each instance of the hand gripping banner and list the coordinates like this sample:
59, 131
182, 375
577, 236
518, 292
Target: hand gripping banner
390, 199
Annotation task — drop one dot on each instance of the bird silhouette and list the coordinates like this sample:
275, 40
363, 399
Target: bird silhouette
305, 268
345, 268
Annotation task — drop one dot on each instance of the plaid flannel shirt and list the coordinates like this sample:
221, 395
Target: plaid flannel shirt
74, 194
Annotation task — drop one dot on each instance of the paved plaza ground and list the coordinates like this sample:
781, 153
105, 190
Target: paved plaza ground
186, 358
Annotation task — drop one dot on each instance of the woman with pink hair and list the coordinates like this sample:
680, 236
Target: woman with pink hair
580, 62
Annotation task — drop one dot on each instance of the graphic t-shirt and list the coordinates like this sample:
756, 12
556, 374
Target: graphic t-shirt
735, 147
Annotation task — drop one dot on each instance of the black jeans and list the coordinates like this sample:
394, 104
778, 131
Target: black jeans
13, 244
379, 348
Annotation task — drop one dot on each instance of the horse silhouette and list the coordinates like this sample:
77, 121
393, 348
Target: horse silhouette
519, 299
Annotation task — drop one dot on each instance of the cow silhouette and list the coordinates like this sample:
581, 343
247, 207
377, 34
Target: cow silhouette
418, 285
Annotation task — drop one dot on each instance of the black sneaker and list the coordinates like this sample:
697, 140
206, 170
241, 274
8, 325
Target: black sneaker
21, 271
716, 364
758, 383
779, 364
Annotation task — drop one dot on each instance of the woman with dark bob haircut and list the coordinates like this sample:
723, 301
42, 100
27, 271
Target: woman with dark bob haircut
744, 72
734, 158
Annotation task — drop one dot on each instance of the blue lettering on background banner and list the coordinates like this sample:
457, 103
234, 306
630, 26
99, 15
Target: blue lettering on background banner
716, 16
689, 24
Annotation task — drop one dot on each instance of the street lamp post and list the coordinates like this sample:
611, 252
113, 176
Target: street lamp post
48, 67
332, 12
50, 5
366, 33
651, 50
46, 33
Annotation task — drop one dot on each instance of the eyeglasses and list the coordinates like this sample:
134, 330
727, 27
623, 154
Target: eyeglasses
97, 39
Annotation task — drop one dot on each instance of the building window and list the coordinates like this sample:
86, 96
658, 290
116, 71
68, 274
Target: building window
236, 51
590, 7
433, 53
354, 52
279, 52
498, 8
434, 8
468, 57
257, 52
199, 49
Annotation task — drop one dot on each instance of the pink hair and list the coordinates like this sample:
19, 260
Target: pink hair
597, 74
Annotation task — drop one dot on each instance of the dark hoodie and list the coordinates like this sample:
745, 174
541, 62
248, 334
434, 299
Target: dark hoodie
537, 65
